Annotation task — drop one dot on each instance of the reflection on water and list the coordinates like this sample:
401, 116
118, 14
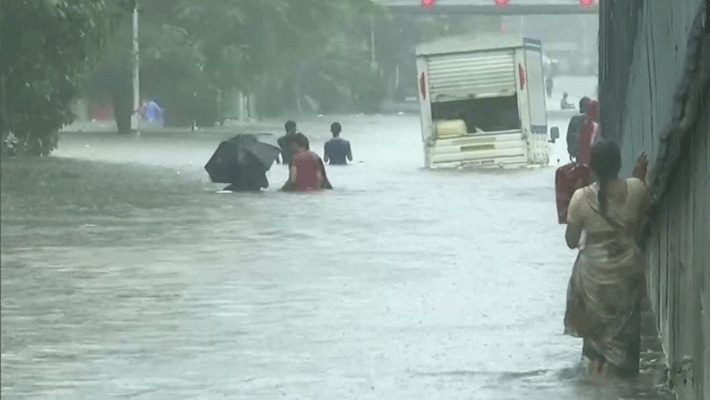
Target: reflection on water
400, 284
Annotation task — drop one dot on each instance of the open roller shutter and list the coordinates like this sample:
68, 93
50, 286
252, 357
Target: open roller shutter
463, 76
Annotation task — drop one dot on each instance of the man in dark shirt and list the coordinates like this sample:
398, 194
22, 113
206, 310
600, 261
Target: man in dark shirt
305, 172
337, 150
574, 127
286, 142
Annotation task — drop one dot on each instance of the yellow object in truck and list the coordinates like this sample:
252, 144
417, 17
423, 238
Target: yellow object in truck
450, 128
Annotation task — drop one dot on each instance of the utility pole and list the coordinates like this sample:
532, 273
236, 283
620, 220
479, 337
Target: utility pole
4, 123
135, 117
373, 56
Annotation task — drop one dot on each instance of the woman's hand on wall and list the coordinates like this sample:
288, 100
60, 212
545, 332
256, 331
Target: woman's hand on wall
640, 167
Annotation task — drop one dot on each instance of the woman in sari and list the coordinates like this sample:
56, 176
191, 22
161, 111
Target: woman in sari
607, 284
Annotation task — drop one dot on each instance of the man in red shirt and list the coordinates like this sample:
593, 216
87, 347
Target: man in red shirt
305, 172
589, 132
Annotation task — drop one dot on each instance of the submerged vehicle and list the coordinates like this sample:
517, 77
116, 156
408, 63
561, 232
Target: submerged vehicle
482, 102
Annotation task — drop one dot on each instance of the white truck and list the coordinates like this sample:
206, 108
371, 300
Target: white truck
482, 102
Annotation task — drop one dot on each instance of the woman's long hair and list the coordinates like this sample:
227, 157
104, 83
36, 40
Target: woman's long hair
605, 162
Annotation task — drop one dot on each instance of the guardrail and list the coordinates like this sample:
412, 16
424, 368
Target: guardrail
489, 7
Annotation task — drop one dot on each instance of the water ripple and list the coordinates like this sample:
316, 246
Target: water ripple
401, 284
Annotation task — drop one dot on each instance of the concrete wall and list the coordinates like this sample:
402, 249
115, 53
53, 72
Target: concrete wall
655, 96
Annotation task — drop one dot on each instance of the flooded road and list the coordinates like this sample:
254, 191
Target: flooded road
400, 284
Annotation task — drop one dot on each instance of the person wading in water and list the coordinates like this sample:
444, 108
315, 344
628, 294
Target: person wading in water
285, 142
589, 132
575, 127
337, 151
305, 171
607, 285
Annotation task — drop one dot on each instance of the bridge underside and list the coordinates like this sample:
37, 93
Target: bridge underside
532, 9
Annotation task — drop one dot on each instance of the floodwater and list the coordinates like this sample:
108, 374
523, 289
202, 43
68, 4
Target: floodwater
400, 284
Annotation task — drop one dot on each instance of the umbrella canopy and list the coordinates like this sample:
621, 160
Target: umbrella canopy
244, 152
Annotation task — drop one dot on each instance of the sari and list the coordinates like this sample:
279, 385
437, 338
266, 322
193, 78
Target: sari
607, 285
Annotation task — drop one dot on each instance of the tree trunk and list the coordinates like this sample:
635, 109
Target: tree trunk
122, 110
4, 123
220, 109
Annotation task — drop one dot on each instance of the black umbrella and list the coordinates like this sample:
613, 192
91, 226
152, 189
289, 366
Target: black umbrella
242, 152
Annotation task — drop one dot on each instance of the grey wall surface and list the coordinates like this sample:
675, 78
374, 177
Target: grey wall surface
655, 96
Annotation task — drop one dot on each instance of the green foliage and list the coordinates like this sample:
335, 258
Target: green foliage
46, 48
340, 74
194, 52
194, 55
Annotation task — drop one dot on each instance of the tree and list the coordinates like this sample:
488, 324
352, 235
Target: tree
171, 70
46, 47
265, 46
195, 53
398, 36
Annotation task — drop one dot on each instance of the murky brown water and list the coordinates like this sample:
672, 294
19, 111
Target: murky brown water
400, 284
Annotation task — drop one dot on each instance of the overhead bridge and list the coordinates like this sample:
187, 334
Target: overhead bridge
491, 7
